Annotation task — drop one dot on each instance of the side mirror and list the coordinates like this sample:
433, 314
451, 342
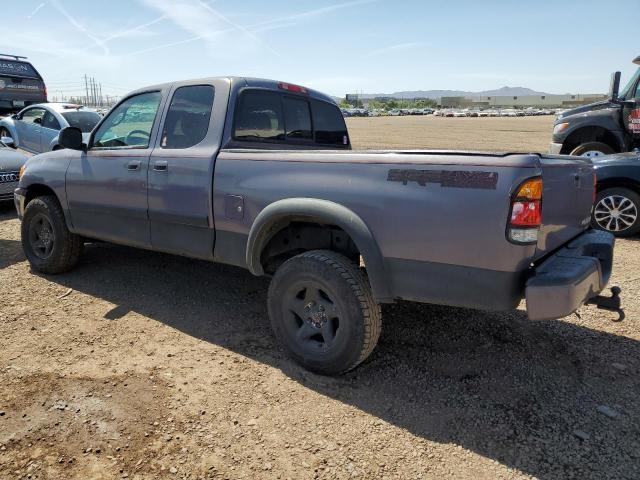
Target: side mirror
8, 141
71, 138
614, 87
38, 121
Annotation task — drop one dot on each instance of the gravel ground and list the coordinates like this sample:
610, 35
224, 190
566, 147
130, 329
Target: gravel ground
142, 365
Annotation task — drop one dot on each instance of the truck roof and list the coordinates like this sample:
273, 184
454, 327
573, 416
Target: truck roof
240, 82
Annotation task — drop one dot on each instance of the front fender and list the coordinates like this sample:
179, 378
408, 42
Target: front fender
9, 125
276, 215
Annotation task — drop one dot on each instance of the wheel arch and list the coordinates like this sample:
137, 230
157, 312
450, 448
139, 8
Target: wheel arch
280, 214
618, 182
592, 133
12, 131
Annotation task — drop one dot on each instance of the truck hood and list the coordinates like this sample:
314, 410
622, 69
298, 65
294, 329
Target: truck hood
10, 160
587, 108
627, 158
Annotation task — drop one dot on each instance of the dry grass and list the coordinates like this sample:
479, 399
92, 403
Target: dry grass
519, 134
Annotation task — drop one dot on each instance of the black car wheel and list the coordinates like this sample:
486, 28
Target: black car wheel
322, 310
592, 150
47, 242
617, 210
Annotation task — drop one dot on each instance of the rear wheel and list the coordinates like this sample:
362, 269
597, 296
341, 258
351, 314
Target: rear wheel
322, 310
617, 210
592, 150
47, 242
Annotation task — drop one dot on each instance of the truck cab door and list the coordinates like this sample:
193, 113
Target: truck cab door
181, 174
631, 115
107, 184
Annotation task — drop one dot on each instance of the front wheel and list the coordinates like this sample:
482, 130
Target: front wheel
47, 242
322, 310
617, 211
592, 150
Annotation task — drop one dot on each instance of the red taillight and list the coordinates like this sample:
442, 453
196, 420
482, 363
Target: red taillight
595, 186
292, 88
526, 212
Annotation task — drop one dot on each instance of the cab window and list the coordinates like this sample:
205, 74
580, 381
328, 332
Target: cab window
259, 117
129, 124
49, 121
187, 120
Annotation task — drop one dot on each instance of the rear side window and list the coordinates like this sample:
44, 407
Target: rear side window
259, 117
328, 123
297, 118
17, 69
49, 121
85, 121
188, 117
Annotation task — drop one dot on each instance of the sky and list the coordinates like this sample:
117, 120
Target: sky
336, 46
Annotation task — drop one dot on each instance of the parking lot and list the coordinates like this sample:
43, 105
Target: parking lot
144, 365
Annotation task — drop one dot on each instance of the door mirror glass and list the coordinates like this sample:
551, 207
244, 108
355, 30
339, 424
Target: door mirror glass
8, 141
71, 138
129, 124
614, 87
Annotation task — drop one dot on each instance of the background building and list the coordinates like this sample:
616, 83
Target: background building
514, 101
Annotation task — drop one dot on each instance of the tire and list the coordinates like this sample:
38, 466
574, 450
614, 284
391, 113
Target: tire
592, 149
621, 201
323, 312
5, 133
47, 242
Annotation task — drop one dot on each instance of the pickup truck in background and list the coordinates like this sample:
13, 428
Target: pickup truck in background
602, 128
260, 174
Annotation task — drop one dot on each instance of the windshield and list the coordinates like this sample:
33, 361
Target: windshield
18, 69
85, 121
625, 91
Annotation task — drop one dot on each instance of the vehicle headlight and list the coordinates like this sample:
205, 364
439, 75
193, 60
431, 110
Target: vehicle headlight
561, 127
22, 169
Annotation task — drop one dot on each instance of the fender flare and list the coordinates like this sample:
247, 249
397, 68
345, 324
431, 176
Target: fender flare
278, 214
9, 125
609, 126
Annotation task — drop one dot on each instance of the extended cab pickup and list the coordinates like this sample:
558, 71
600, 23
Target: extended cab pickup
260, 174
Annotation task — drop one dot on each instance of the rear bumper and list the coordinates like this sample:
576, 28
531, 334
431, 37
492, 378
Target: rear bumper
554, 148
19, 196
571, 276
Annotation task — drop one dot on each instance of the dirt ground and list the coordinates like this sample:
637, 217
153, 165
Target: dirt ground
519, 134
141, 365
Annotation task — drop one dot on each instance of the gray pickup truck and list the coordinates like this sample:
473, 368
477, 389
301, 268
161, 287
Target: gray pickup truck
260, 174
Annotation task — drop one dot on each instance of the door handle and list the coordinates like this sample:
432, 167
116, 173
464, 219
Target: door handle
160, 166
133, 165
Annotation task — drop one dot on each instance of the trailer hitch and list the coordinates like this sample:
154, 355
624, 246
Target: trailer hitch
612, 303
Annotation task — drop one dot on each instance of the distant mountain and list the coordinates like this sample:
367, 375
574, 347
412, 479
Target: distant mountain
506, 91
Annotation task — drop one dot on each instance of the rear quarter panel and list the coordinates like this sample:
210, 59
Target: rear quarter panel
452, 229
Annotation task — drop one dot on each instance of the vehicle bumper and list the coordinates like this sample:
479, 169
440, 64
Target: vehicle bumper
571, 276
19, 196
554, 148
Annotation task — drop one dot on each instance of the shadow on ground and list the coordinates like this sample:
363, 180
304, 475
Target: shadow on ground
517, 392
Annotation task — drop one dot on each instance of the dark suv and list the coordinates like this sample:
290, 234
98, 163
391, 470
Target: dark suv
604, 127
20, 84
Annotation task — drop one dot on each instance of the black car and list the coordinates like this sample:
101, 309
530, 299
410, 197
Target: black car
602, 128
20, 84
617, 204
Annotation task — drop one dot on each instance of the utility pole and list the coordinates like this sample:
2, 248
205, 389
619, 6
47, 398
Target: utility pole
101, 94
86, 89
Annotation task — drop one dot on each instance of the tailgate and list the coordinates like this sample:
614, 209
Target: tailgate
567, 199
18, 88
